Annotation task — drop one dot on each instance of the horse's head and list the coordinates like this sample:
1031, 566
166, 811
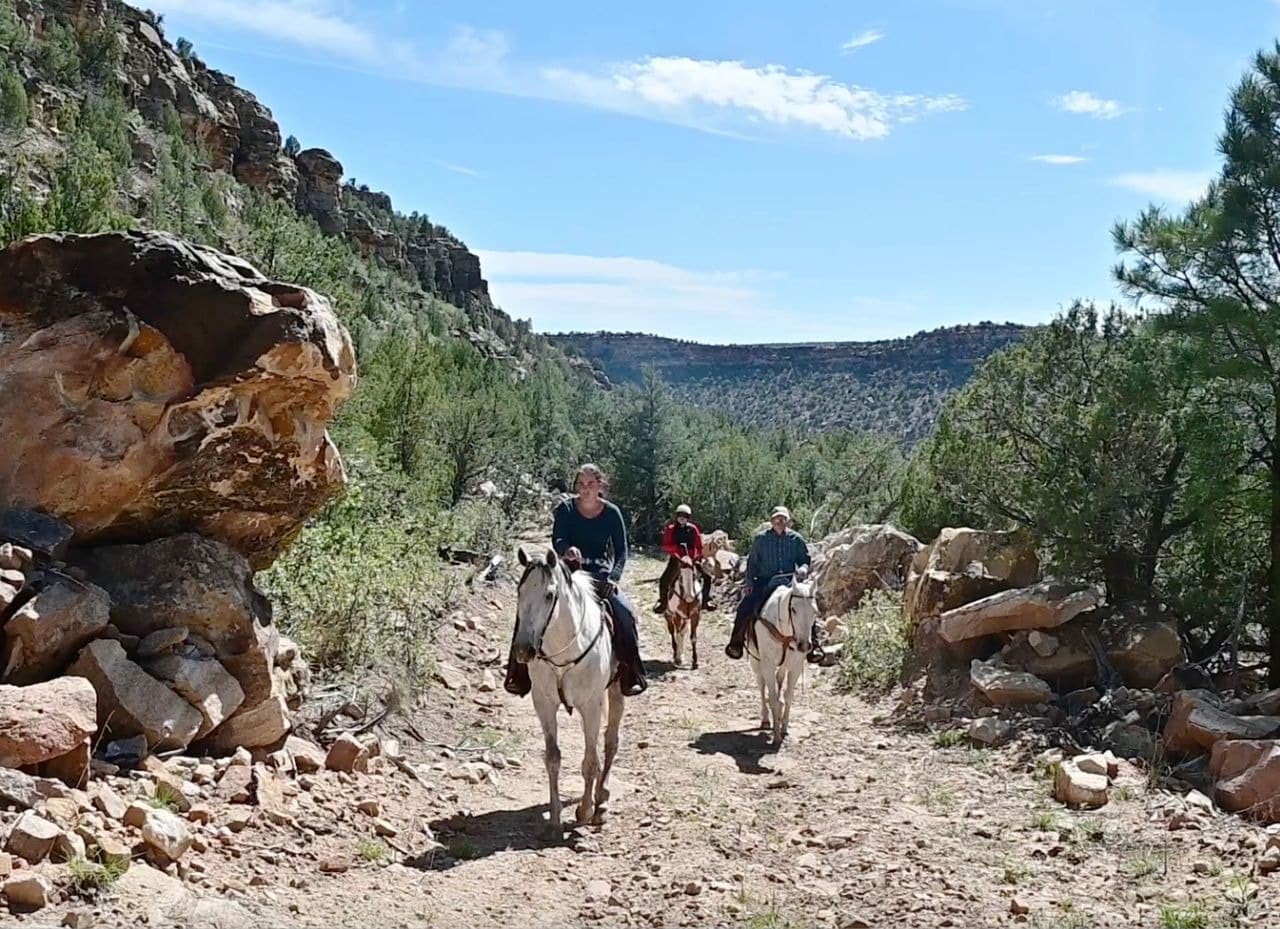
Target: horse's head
687, 582
803, 613
537, 598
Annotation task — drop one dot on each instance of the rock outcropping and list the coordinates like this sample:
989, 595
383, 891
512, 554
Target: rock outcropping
150, 387
165, 410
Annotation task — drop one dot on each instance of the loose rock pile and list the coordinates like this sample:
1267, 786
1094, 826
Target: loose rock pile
164, 410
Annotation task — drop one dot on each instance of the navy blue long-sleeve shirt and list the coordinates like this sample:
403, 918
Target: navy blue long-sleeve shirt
772, 554
602, 540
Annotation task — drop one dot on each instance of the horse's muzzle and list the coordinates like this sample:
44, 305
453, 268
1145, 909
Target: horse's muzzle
524, 653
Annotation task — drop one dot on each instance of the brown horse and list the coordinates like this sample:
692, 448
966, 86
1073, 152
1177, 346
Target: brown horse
684, 609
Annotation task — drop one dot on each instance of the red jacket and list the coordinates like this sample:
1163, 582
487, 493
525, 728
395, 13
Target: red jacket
675, 537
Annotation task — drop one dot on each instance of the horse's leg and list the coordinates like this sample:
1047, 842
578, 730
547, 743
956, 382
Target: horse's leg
547, 708
764, 703
611, 730
671, 631
590, 758
792, 675
693, 635
775, 704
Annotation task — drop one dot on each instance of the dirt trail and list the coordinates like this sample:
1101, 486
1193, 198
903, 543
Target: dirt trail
854, 822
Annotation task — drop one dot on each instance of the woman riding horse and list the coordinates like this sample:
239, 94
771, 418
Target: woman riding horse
589, 534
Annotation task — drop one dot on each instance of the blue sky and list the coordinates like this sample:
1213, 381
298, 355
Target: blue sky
756, 171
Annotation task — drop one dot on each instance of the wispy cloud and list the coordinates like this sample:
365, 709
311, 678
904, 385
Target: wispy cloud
1059, 159
1084, 103
726, 94
720, 96
862, 40
1174, 186
457, 168
309, 23
566, 291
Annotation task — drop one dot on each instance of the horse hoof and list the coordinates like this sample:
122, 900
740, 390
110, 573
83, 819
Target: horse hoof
601, 817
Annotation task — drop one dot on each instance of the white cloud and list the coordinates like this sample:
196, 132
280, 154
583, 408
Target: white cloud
1179, 186
1059, 159
726, 97
565, 291
1084, 103
725, 94
310, 23
457, 168
862, 40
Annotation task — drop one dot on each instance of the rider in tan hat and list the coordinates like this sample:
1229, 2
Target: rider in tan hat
775, 555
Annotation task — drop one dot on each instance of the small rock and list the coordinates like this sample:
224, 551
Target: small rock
1270, 861
136, 814
598, 890
235, 784
308, 757
1077, 788
450, 677
693, 888
166, 835
336, 864
69, 847
162, 640
385, 829
32, 837
28, 890
238, 819
1198, 801
1018, 907
990, 730
488, 683
1093, 764
200, 814
347, 755
79, 919
370, 807
1042, 643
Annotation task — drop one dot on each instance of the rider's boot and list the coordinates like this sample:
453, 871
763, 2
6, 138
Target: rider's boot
736, 639
517, 681
631, 677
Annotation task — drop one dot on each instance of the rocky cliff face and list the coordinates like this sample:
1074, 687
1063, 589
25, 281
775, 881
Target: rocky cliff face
244, 140
894, 387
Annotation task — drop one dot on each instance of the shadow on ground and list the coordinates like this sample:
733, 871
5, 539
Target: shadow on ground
745, 746
470, 838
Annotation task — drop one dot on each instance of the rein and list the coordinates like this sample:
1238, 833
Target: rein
539, 654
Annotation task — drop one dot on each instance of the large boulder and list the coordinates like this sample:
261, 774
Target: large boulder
188, 391
1246, 777
1142, 650
42, 636
1043, 606
256, 727
1003, 686
132, 702
1197, 723
45, 721
196, 583
963, 565
859, 559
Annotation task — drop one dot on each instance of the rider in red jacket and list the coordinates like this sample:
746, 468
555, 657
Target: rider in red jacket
682, 540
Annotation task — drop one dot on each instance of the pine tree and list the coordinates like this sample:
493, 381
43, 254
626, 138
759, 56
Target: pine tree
1216, 270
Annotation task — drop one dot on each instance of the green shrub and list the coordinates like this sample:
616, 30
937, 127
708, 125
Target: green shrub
14, 108
875, 644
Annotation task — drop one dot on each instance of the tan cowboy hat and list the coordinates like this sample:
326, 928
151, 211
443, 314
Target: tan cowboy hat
683, 510
781, 511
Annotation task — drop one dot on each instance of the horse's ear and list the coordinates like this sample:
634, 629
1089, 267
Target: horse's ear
551, 557
802, 574
522, 556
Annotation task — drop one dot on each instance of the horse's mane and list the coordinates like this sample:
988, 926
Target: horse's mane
581, 586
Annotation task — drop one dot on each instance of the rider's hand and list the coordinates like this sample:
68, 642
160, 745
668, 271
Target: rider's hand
611, 588
573, 555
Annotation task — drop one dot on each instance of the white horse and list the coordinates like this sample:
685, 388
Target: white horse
563, 637
783, 634
684, 610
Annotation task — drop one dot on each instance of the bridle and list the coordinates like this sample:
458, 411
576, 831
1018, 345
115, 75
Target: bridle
788, 642
680, 590
539, 654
